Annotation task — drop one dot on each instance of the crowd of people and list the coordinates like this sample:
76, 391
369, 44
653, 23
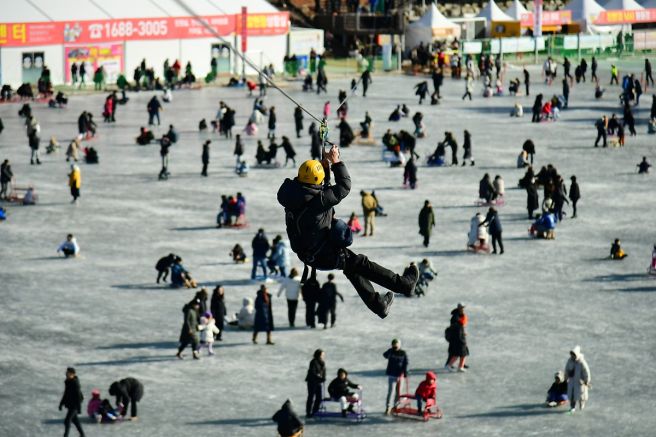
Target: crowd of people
320, 240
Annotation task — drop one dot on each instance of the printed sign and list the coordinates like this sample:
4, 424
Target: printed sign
109, 56
131, 29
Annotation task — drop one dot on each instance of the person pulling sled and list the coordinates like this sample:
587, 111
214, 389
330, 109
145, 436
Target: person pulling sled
320, 240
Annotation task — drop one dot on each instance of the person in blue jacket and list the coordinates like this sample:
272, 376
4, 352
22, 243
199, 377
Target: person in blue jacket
545, 225
397, 367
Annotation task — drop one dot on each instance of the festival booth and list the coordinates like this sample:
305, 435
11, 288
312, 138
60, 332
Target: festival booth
499, 24
431, 26
552, 21
118, 34
627, 13
585, 13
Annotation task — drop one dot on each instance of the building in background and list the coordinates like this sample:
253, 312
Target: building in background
118, 34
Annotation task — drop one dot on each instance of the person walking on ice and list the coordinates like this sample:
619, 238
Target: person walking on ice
72, 400
577, 373
320, 240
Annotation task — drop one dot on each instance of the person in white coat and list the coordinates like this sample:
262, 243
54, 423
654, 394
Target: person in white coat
577, 373
208, 330
499, 187
69, 247
246, 315
291, 286
478, 237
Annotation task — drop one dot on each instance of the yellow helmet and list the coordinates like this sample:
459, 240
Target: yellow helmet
311, 172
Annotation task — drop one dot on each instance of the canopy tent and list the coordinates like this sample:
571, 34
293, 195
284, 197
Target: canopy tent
492, 12
432, 25
585, 12
626, 5
516, 10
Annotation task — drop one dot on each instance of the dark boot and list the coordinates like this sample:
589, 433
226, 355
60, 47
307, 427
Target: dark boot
377, 274
376, 303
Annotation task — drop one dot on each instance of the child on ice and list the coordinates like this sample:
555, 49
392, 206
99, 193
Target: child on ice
557, 394
208, 330
426, 393
354, 224
616, 251
100, 410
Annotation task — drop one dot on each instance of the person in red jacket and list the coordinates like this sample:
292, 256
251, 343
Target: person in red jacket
426, 392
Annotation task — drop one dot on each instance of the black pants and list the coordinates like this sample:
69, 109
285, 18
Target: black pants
467, 94
574, 208
133, 408
361, 272
614, 79
649, 78
204, 171
188, 340
68, 252
594, 77
75, 192
310, 311
496, 238
333, 315
162, 274
71, 416
526, 85
600, 134
426, 239
364, 89
313, 398
291, 311
536, 116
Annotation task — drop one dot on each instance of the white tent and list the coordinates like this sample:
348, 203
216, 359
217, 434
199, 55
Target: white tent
492, 12
584, 12
627, 5
516, 10
432, 25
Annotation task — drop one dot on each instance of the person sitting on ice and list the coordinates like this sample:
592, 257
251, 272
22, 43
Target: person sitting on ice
238, 255
289, 424
547, 111
202, 125
544, 226
652, 266
101, 410
517, 111
522, 159
437, 159
616, 251
478, 236
513, 87
426, 392
643, 166
339, 390
29, 198
426, 269
167, 97
69, 247
396, 114
354, 224
242, 168
180, 277
145, 136
557, 393
246, 315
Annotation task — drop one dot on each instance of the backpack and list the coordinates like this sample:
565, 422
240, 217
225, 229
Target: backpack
448, 334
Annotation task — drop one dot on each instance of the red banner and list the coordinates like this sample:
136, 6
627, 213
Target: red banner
549, 18
626, 17
131, 29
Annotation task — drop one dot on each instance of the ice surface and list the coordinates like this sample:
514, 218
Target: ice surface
104, 314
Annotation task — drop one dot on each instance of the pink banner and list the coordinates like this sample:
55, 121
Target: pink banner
549, 18
131, 29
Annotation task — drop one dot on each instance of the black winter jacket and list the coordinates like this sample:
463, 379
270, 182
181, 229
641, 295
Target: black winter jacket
287, 420
316, 373
340, 387
316, 202
397, 362
126, 390
72, 398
